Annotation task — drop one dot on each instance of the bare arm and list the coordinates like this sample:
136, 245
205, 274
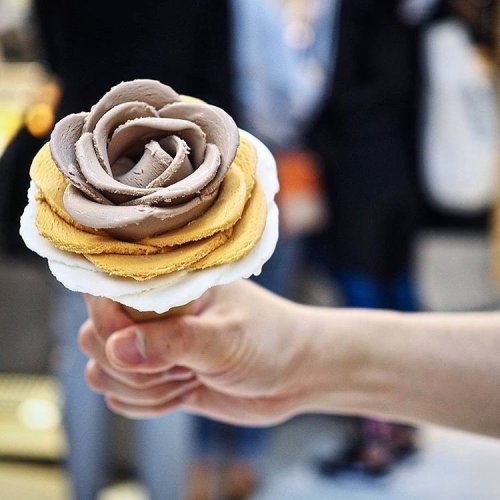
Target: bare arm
440, 368
246, 356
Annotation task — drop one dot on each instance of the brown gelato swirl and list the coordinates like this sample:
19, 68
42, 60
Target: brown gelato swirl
142, 161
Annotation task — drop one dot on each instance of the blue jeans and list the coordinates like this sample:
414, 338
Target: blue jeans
161, 453
361, 290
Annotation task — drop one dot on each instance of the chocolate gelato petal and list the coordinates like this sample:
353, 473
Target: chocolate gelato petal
151, 92
111, 120
186, 188
134, 222
97, 177
143, 168
179, 168
153, 163
121, 166
215, 122
142, 130
62, 148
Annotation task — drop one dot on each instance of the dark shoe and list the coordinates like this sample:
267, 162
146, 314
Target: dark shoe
403, 440
348, 460
376, 454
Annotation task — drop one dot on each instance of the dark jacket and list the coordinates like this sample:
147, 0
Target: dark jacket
93, 45
366, 136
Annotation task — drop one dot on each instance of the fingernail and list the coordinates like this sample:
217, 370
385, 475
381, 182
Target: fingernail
129, 348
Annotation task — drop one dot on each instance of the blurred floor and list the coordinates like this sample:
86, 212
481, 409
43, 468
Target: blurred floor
453, 273
451, 466
20, 481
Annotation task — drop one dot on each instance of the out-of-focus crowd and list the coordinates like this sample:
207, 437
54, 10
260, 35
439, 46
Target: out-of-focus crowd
382, 118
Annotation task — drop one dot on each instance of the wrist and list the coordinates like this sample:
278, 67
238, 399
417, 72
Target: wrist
344, 367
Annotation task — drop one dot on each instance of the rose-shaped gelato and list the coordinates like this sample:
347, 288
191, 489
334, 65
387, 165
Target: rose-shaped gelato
142, 161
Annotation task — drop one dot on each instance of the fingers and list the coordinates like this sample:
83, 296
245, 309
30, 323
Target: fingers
107, 316
143, 412
91, 345
156, 395
201, 400
148, 395
147, 369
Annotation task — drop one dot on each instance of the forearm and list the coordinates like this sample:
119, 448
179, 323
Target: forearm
439, 368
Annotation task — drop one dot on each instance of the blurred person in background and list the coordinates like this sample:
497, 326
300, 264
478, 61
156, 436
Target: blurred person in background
89, 47
480, 22
366, 133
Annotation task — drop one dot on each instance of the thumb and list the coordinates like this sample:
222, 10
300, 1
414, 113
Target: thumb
196, 342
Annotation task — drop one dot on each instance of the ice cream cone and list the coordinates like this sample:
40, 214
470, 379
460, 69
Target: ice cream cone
213, 219
142, 316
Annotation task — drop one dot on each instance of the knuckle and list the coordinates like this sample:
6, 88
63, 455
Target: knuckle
85, 336
187, 324
85, 326
236, 321
155, 397
114, 405
170, 342
93, 375
161, 395
186, 330
195, 398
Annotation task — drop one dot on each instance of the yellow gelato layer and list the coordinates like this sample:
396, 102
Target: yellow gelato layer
144, 267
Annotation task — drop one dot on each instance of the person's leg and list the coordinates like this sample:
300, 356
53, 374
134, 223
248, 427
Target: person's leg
248, 447
162, 454
402, 294
382, 442
249, 442
359, 289
85, 415
205, 434
204, 473
243, 445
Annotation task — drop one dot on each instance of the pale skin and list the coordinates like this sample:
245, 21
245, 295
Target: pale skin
246, 356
